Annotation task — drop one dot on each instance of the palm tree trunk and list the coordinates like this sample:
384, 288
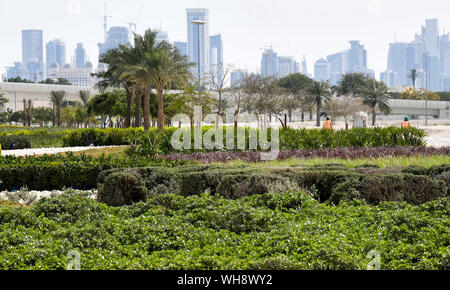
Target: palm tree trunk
58, 115
160, 110
319, 107
138, 104
53, 115
374, 116
129, 107
147, 109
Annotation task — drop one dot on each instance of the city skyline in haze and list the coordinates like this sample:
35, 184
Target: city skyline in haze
293, 28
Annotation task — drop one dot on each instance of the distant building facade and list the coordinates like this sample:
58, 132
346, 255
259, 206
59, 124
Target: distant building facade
198, 41
322, 70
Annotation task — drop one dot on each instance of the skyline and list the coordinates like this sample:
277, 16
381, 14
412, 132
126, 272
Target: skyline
315, 40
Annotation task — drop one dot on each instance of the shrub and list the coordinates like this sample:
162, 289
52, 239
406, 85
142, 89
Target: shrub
122, 188
15, 142
414, 189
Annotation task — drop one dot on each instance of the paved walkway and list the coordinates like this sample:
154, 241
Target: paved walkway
41, 151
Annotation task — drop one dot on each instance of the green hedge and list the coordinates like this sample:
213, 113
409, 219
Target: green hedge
153, 142
15, 142
289, 231
331, 184
52, 172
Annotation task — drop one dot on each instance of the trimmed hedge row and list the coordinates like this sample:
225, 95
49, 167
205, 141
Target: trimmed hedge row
55, 172
151, 142
331, 184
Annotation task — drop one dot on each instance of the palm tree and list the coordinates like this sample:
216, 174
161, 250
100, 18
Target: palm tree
84, 97
162, 67
376, 94
413, 75
320, 92
57, 98
114, 77
143, 45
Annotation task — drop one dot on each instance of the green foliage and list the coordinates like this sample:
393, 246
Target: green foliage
331, 183
50, 172
265, 232
122, 188
15, 142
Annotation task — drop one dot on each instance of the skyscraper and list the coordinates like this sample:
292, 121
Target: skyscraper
55, 53
181, 46
398, 63
286, 66
269, 63
216, 56
321, 70
80, 56
338, 66
237, 76
357, 57
162, 36
116, 36
198, 40
33, 53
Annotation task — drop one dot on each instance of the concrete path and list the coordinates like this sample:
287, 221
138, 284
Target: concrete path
41, 151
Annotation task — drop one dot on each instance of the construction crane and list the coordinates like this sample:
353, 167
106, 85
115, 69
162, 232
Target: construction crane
105, 20
133, 23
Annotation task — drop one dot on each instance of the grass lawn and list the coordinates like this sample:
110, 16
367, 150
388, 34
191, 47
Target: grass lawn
425, 161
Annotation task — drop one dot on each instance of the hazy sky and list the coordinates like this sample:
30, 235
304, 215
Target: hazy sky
315, 28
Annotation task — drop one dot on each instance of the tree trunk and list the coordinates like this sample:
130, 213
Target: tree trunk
24, 113
374, 116
58, 115
303, 115
53, 115
138, 104
310, 114
129, 107
160, 110
319, 106
147, 109
285, 121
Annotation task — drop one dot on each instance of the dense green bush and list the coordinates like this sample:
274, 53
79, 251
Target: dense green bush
101, 137
51, 172
122, 188
264, 232
151, 143
329, 183
15, 142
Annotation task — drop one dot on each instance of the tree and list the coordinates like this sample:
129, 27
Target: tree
57, 98
345, 106
376, 94
350, 84
42, 115
185, 102
3, 100
218, 82
108, 105
321, 93
69, 115
297, 86
161, 67
84, 97
419, 94
413, 75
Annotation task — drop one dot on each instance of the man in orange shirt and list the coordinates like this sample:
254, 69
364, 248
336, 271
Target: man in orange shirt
328, 125
406, 123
